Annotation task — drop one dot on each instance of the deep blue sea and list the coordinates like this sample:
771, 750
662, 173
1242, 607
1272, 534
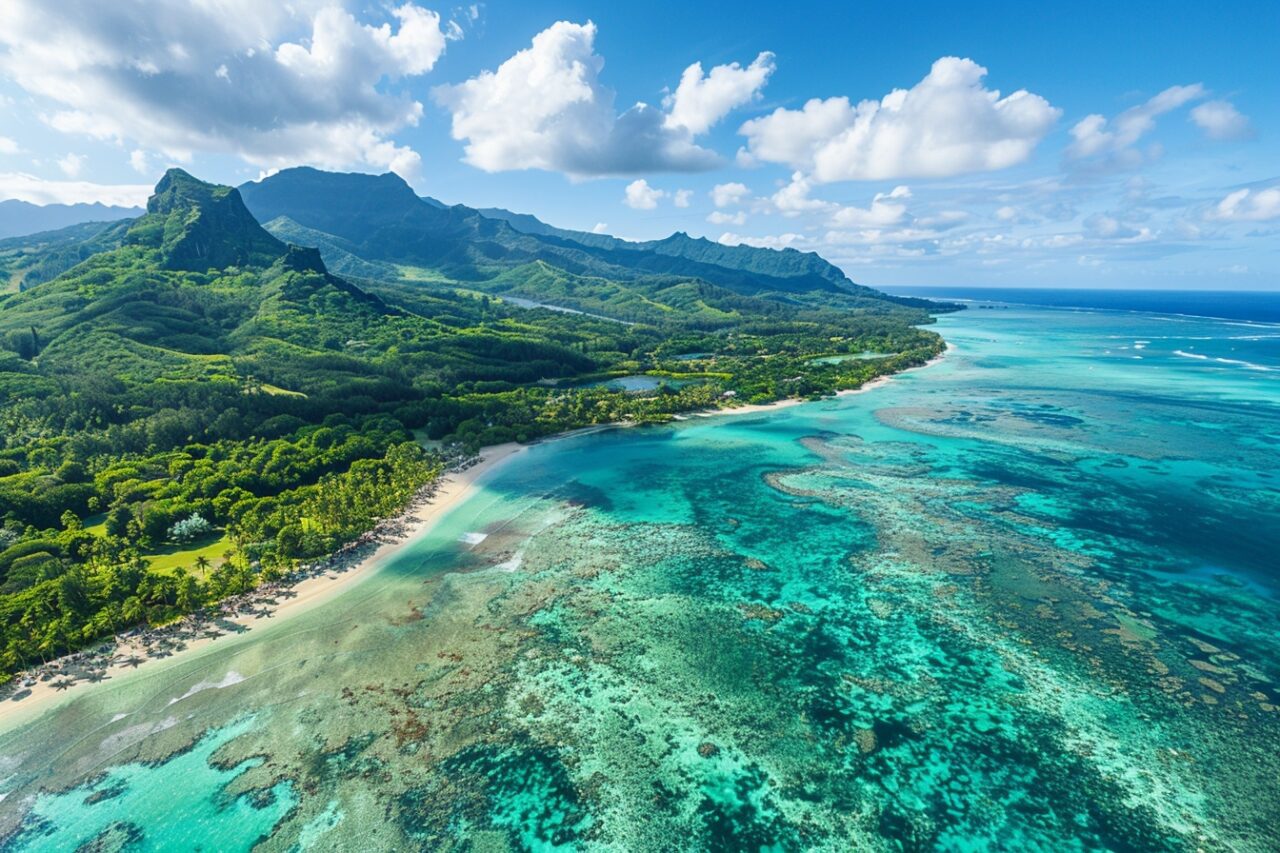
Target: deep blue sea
1255, 306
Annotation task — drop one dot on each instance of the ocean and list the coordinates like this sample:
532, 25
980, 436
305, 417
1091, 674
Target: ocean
1022, 599
1252, 306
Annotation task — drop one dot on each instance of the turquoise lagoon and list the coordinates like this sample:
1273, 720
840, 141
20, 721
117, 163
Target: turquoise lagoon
1023, 599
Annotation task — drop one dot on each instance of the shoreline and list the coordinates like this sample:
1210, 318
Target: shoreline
133, 652
279, 602
869, 385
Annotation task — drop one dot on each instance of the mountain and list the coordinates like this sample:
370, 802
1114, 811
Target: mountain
34, 258
379, 219
199, 226
194, 292
19, 218
189, 370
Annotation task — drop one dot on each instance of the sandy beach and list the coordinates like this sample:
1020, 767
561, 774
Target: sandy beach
131, 654
878, 382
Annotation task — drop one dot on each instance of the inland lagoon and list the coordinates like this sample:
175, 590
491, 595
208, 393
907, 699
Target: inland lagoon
1023, 599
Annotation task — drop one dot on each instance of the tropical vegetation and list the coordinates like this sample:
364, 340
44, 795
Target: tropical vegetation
186, 380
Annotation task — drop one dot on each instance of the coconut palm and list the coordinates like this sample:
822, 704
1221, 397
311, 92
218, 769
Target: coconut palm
133, 610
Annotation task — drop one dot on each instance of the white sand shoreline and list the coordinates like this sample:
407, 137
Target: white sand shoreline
878, 382
418, 520
453, 489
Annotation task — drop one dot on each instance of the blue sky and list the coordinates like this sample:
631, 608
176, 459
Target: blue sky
1126, 147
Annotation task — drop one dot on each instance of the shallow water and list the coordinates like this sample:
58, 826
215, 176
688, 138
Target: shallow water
636, 382
857, 356
1023, 599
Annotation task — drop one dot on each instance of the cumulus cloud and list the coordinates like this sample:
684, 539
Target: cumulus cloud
276, 84
793, 199
719, 217
700, 101
29, 188
71, 164
1220, 120
727, 195
885, 209
546, 108
8, 146
640, 196
773, 241
1096, 136
682, 198
1248, 205
947, 124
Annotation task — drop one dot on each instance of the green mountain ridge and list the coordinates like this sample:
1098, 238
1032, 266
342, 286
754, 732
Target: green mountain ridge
382, 220
34, 258
199, 226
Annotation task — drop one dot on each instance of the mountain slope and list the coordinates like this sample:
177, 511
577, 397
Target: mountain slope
382, 220
190, 294
29, 260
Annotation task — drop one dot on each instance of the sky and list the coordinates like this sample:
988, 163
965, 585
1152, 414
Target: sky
1081, 144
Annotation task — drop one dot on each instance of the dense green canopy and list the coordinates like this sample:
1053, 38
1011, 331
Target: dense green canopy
188, 367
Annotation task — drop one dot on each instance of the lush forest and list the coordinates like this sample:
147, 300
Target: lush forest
189, 405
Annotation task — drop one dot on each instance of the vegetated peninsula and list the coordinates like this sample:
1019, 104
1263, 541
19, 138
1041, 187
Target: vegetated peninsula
191, 405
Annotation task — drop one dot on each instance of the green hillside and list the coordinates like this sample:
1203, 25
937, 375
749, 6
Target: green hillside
380, 219
186, 379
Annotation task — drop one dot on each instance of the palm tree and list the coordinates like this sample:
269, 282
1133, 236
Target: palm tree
188, 597
202, 564
133, 610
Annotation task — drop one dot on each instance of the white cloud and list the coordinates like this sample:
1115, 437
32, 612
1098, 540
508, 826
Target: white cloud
8, 146
1094, 135
599, 227
1006, 213
139, 161
886, 209
29, 188
682, 198
727, 195
275, 84
71, 164
793, 199
1102, 226
545, 108
947, 124
1220, 120
641, 196
699, 102
719, 217
1248, 205
879, 236
778, 241
944, 219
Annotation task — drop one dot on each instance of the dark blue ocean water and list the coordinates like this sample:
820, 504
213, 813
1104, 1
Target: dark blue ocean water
1230, 305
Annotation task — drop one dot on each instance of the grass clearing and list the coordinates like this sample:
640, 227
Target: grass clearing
167, 558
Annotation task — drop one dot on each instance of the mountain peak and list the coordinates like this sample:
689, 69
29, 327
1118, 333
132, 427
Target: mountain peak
332, 201
302, 259
200, 226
